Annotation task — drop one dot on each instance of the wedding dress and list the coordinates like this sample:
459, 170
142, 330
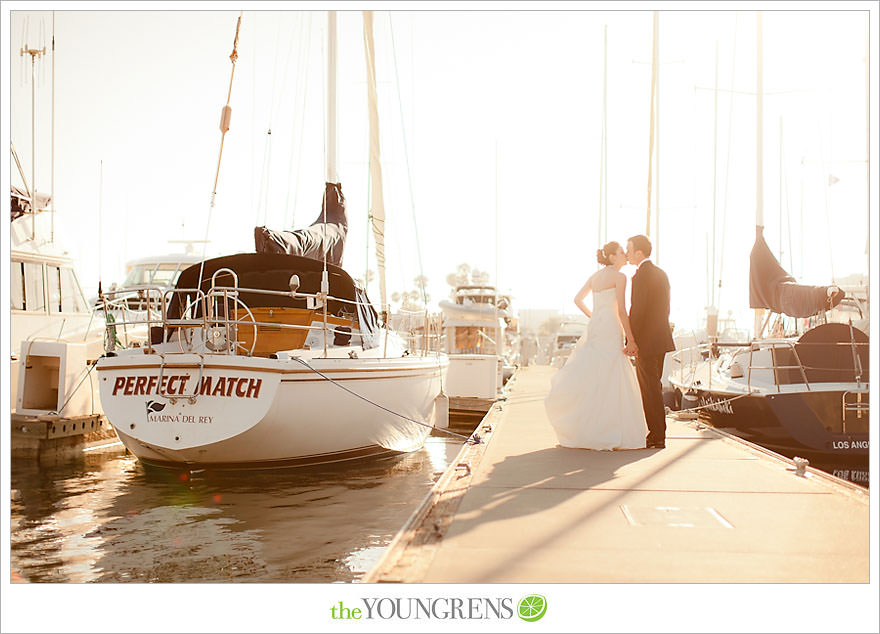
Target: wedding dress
594, 400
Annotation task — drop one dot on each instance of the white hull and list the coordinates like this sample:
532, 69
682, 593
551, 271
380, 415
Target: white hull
53, 342
270, 412
474, 376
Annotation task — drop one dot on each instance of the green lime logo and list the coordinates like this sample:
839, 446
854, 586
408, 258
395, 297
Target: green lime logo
532, 608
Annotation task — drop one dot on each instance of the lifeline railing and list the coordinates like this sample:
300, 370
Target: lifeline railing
711, 350
217, 312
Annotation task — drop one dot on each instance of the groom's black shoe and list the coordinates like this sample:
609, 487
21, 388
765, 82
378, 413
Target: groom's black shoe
655, 445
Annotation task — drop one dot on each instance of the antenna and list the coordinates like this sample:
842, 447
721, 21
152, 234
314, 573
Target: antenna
35, 53
52, 189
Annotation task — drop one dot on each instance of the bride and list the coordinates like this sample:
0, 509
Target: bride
594, 400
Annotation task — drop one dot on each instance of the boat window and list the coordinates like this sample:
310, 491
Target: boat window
34, 299
72, 300
162, 274
473, 340
54, 276
137, 276
16, 285
166, 274
65, 295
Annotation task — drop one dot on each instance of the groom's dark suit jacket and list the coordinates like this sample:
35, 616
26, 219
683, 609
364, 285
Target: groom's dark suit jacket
649, 310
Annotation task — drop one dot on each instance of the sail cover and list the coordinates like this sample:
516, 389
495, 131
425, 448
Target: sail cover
377, 197
20, 201
770, 286
325, 237
273, 272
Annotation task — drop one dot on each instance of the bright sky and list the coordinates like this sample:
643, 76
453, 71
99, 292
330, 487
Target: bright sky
473, 93
138, 96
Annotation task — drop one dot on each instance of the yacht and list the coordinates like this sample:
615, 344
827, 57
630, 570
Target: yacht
474, 324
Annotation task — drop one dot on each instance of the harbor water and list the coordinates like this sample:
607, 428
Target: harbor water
105, 517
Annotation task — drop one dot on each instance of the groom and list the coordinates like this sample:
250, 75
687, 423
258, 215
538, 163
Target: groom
649, 321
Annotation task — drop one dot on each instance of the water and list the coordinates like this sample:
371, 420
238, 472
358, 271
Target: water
105, 517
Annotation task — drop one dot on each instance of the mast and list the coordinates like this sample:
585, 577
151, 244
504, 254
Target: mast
759, 149
759, 126
712, 310
332, 141
714, 174
52, 190
332, 147
656, 251
601, 236
651, 126
605, 137
867, 145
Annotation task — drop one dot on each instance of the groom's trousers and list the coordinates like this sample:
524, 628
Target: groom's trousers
649, 370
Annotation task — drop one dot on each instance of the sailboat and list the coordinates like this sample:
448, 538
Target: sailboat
805, 394
276, 358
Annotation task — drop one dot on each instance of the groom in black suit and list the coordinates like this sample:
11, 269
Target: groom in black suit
649, 320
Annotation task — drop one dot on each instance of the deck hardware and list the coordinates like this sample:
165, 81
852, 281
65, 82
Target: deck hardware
464, 465
800, 466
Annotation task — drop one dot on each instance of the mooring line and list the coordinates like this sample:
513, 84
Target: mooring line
473, 439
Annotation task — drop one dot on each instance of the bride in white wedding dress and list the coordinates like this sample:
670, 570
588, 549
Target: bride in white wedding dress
594, 401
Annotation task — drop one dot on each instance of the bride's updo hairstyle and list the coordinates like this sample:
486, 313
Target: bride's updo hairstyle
603, 255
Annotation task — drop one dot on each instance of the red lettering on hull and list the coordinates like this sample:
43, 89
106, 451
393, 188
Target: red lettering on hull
223, 386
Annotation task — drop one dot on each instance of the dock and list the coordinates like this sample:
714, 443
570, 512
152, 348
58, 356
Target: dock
466, 413
49, 437
708, 508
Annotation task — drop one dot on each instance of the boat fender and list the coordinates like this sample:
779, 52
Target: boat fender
441, 411
689, 401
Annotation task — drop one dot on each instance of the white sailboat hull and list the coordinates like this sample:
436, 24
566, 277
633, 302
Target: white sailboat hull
267, 413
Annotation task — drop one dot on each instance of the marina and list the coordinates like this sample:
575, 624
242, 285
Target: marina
428, 312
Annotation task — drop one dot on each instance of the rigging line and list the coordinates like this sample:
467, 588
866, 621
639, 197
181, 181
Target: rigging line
473, 439
263, 194
85, 374
407, 163
826, 176
20, 169
651, 126
787, 212
274, 103
369, 224
727, 162
224, 127
52, 191
302, 74
603, 155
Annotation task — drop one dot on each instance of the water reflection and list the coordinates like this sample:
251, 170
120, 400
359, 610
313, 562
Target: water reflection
107, 517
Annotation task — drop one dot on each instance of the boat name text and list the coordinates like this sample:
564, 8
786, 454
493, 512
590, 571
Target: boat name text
722, 406
847, 444
175, 385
